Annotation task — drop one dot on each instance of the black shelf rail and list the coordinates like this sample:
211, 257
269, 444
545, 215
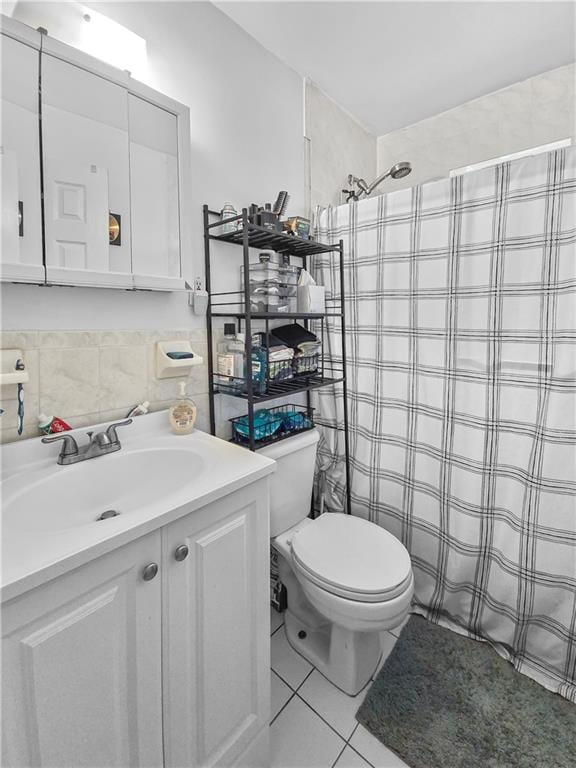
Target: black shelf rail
278, 389
249, 235
278, 315
259, 237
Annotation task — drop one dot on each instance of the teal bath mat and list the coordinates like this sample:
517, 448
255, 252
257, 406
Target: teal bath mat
442, 700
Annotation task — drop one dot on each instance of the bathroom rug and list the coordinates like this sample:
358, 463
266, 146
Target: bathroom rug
442, 700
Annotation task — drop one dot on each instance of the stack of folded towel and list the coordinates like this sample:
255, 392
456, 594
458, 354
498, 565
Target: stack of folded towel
292, 350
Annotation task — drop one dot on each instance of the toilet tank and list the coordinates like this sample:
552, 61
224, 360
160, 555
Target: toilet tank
291, 483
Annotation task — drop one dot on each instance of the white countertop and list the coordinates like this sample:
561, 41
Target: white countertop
34, 551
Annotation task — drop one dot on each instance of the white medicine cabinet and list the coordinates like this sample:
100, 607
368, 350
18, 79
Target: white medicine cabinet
20, 161
111, 158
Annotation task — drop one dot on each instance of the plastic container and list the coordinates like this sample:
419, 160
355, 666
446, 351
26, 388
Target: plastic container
263, 282
50, 425
272, 424
227, 212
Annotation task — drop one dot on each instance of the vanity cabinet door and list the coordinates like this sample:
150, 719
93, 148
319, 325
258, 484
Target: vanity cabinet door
21, 224
86, 176
154, 196
82, 666
216, 633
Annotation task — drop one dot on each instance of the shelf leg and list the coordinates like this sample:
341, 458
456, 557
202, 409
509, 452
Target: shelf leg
248, 328
209, 339
344, 383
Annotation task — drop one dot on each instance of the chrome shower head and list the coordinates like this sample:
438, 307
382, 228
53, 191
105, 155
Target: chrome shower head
400, 170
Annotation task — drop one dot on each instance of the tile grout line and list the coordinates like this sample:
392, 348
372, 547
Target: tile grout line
339, 755
292, 688
354, 748
282, 708
276, 630
322, 718
362, 756
303, 681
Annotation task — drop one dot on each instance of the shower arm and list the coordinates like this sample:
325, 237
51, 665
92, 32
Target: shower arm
362, 184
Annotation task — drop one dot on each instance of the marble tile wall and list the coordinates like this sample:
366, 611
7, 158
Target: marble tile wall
530, 113
90, 376
338, 145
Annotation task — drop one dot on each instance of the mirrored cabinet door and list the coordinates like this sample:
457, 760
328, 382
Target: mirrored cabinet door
21, 227
154, 195
86, 177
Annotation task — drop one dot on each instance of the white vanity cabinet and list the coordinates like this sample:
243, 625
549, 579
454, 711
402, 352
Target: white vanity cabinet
81, 666
216, 634
21, 254
103, 667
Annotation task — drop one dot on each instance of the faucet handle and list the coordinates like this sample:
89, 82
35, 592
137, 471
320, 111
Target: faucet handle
70, 447
111, 431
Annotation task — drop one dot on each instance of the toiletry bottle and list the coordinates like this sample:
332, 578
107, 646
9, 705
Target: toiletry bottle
259, 366
230, 360
49, 425
183, 413
228, 212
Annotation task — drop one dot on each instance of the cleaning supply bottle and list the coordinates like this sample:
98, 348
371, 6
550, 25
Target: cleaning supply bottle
230, 360
49, 425
259, 366
183, 413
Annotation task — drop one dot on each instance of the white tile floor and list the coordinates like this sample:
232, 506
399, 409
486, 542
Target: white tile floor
313, 723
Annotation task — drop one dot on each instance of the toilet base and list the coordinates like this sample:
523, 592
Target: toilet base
345, 657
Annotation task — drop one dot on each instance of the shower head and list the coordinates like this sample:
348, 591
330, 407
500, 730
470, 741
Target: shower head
400, 170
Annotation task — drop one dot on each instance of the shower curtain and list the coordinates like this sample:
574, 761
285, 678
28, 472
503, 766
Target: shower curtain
461, 314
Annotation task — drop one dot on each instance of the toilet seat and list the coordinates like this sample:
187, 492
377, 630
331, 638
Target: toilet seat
352, 558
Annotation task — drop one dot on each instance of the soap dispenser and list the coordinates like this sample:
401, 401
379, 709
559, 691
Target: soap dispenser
183, 413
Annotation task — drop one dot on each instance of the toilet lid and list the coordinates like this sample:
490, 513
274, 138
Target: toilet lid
352, 557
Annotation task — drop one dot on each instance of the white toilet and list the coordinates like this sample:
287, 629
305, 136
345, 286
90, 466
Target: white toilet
347, 579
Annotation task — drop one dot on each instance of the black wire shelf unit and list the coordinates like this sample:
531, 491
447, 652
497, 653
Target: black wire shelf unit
236, 305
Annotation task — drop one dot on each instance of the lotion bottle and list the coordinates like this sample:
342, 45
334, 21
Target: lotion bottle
183, 413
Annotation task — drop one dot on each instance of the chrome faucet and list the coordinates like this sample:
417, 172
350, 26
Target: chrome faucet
99, 444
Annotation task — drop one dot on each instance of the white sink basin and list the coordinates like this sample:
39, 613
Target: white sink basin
49, 518
57, 498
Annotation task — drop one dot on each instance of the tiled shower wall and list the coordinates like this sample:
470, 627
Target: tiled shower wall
338, 145
86, 377
537, 111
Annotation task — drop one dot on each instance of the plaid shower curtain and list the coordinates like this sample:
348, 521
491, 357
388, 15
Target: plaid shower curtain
461, 313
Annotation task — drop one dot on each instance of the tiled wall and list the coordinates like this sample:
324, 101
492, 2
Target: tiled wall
338, 145
536, 111
91, 376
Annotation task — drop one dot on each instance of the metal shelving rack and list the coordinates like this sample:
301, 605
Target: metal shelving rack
249, 235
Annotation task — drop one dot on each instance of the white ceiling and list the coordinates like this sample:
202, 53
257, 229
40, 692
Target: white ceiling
394, 63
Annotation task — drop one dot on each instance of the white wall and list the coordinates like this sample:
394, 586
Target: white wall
339, 145
536, 111
247, 143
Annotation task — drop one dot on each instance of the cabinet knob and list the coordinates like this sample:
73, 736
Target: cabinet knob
181, 552
150, 571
